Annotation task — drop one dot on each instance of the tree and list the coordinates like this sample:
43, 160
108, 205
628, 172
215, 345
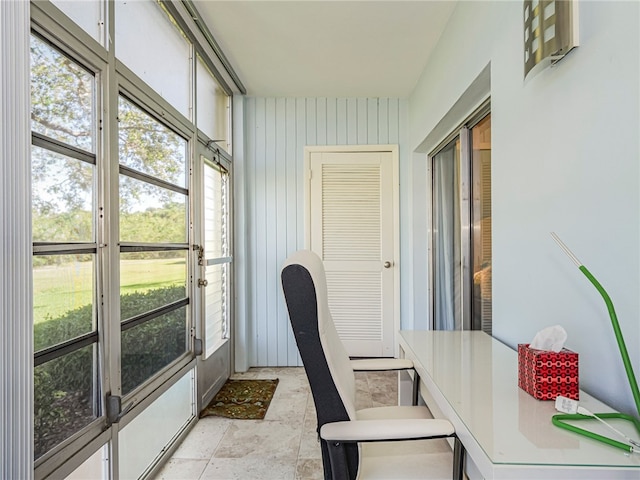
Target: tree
63, 96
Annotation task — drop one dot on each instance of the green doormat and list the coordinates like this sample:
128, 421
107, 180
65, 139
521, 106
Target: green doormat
242, 399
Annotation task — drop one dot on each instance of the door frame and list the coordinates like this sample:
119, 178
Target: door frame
211, 372
394, 150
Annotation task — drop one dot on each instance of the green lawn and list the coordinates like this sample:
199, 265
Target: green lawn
60, 288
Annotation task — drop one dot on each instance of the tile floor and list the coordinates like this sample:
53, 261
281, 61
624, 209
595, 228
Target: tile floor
283, 446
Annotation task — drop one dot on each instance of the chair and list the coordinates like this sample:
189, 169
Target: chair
355, 444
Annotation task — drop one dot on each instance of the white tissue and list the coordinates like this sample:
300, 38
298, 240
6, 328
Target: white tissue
550, 339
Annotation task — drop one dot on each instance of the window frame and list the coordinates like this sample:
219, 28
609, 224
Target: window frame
463, 133
113, 79
82, 57
156, 107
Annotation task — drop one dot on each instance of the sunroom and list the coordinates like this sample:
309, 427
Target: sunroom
161, 163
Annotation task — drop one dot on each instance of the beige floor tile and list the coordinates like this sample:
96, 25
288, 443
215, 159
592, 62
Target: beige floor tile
285, 445
204, 438
309, 444
309, 469
284, 405
181, 469
260, 438
311, 406
363, 394
253, 468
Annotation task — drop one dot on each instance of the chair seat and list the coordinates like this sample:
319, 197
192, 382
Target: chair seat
423, 459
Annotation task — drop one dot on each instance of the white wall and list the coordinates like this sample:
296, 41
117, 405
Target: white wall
566, 158
271, 173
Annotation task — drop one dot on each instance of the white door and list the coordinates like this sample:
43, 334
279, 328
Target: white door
352, 224
214, 268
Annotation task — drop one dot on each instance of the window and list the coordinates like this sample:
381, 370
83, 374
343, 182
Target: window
65, 265
213, 108
153, 244
89, 15
461, 228
215, 258
115, 150
155, 37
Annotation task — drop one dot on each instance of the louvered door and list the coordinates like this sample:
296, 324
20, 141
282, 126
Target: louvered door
214, 269
353, 229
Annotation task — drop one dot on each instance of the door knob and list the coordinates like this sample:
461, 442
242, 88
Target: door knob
387, 264
203, 283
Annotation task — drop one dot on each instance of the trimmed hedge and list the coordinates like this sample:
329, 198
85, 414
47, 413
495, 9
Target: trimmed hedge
63, 388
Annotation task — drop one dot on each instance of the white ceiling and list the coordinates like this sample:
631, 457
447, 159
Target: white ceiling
327, 48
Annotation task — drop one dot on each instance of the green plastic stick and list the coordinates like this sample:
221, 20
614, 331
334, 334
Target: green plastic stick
614, 321
620, 339
557, 420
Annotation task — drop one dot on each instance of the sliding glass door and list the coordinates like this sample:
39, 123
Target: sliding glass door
481, 225
446, 238
461, 228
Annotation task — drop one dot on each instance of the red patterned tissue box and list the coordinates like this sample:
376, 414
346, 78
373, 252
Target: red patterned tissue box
546, 375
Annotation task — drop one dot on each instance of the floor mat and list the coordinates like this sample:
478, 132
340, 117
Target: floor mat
242, 399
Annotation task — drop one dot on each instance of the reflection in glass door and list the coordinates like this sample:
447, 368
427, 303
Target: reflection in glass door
446, 238
481, 225
461, 229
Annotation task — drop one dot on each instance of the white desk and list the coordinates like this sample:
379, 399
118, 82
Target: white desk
473, 381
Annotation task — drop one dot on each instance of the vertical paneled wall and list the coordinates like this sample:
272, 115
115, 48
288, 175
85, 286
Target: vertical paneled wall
16, 344
276, 132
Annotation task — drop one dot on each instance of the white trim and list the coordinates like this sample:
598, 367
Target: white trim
240, 323
478, 92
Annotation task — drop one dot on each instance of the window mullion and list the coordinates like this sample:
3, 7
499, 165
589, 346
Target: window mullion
465, 222
54, 145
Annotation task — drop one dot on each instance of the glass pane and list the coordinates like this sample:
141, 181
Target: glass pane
481, 312
62, 97
86, 13
62, 197
155, 36
216, 307
149, 347
62, 298
149, 213
64, 398
95, 467
216, 213
446, 238
165, 418
149, 280
149, 147
213, 107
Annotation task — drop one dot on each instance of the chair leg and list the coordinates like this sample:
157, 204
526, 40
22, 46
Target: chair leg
416, 388
458, 459
326, 461
338, 461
